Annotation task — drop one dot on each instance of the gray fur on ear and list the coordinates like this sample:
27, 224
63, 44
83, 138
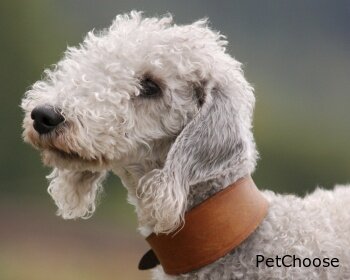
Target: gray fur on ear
218, 140
75, 192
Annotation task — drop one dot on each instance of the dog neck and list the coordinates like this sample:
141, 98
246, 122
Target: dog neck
131, 173
144, 161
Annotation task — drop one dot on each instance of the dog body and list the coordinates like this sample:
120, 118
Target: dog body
169, 111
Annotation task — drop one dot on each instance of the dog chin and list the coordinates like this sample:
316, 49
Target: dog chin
73, 161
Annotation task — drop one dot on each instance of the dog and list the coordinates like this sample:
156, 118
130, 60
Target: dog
169, 111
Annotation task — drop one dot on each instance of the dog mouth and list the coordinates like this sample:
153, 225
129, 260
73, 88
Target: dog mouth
75, 156
56, 151
54, 157
59, 148
66, 155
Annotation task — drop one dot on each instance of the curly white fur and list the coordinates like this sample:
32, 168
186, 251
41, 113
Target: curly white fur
75, 192
176, 150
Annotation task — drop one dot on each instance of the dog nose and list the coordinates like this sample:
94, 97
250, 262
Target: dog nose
46, 118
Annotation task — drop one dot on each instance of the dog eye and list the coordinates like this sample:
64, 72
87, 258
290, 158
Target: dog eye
149, 89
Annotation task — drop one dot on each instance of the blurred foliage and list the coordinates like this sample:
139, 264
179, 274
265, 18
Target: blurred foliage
296, 54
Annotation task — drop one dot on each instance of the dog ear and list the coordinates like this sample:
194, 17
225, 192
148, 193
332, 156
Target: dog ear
75, 192
215, 142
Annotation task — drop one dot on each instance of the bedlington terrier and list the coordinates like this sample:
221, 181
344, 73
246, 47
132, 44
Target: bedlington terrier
168, 110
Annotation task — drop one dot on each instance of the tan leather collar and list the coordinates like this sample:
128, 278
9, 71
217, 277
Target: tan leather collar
211, 230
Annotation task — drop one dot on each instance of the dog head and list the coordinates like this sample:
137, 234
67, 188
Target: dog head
124, 90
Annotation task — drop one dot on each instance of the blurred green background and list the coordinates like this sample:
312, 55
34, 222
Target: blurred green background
297, 56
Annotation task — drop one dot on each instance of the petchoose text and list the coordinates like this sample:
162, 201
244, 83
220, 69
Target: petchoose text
294, 261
